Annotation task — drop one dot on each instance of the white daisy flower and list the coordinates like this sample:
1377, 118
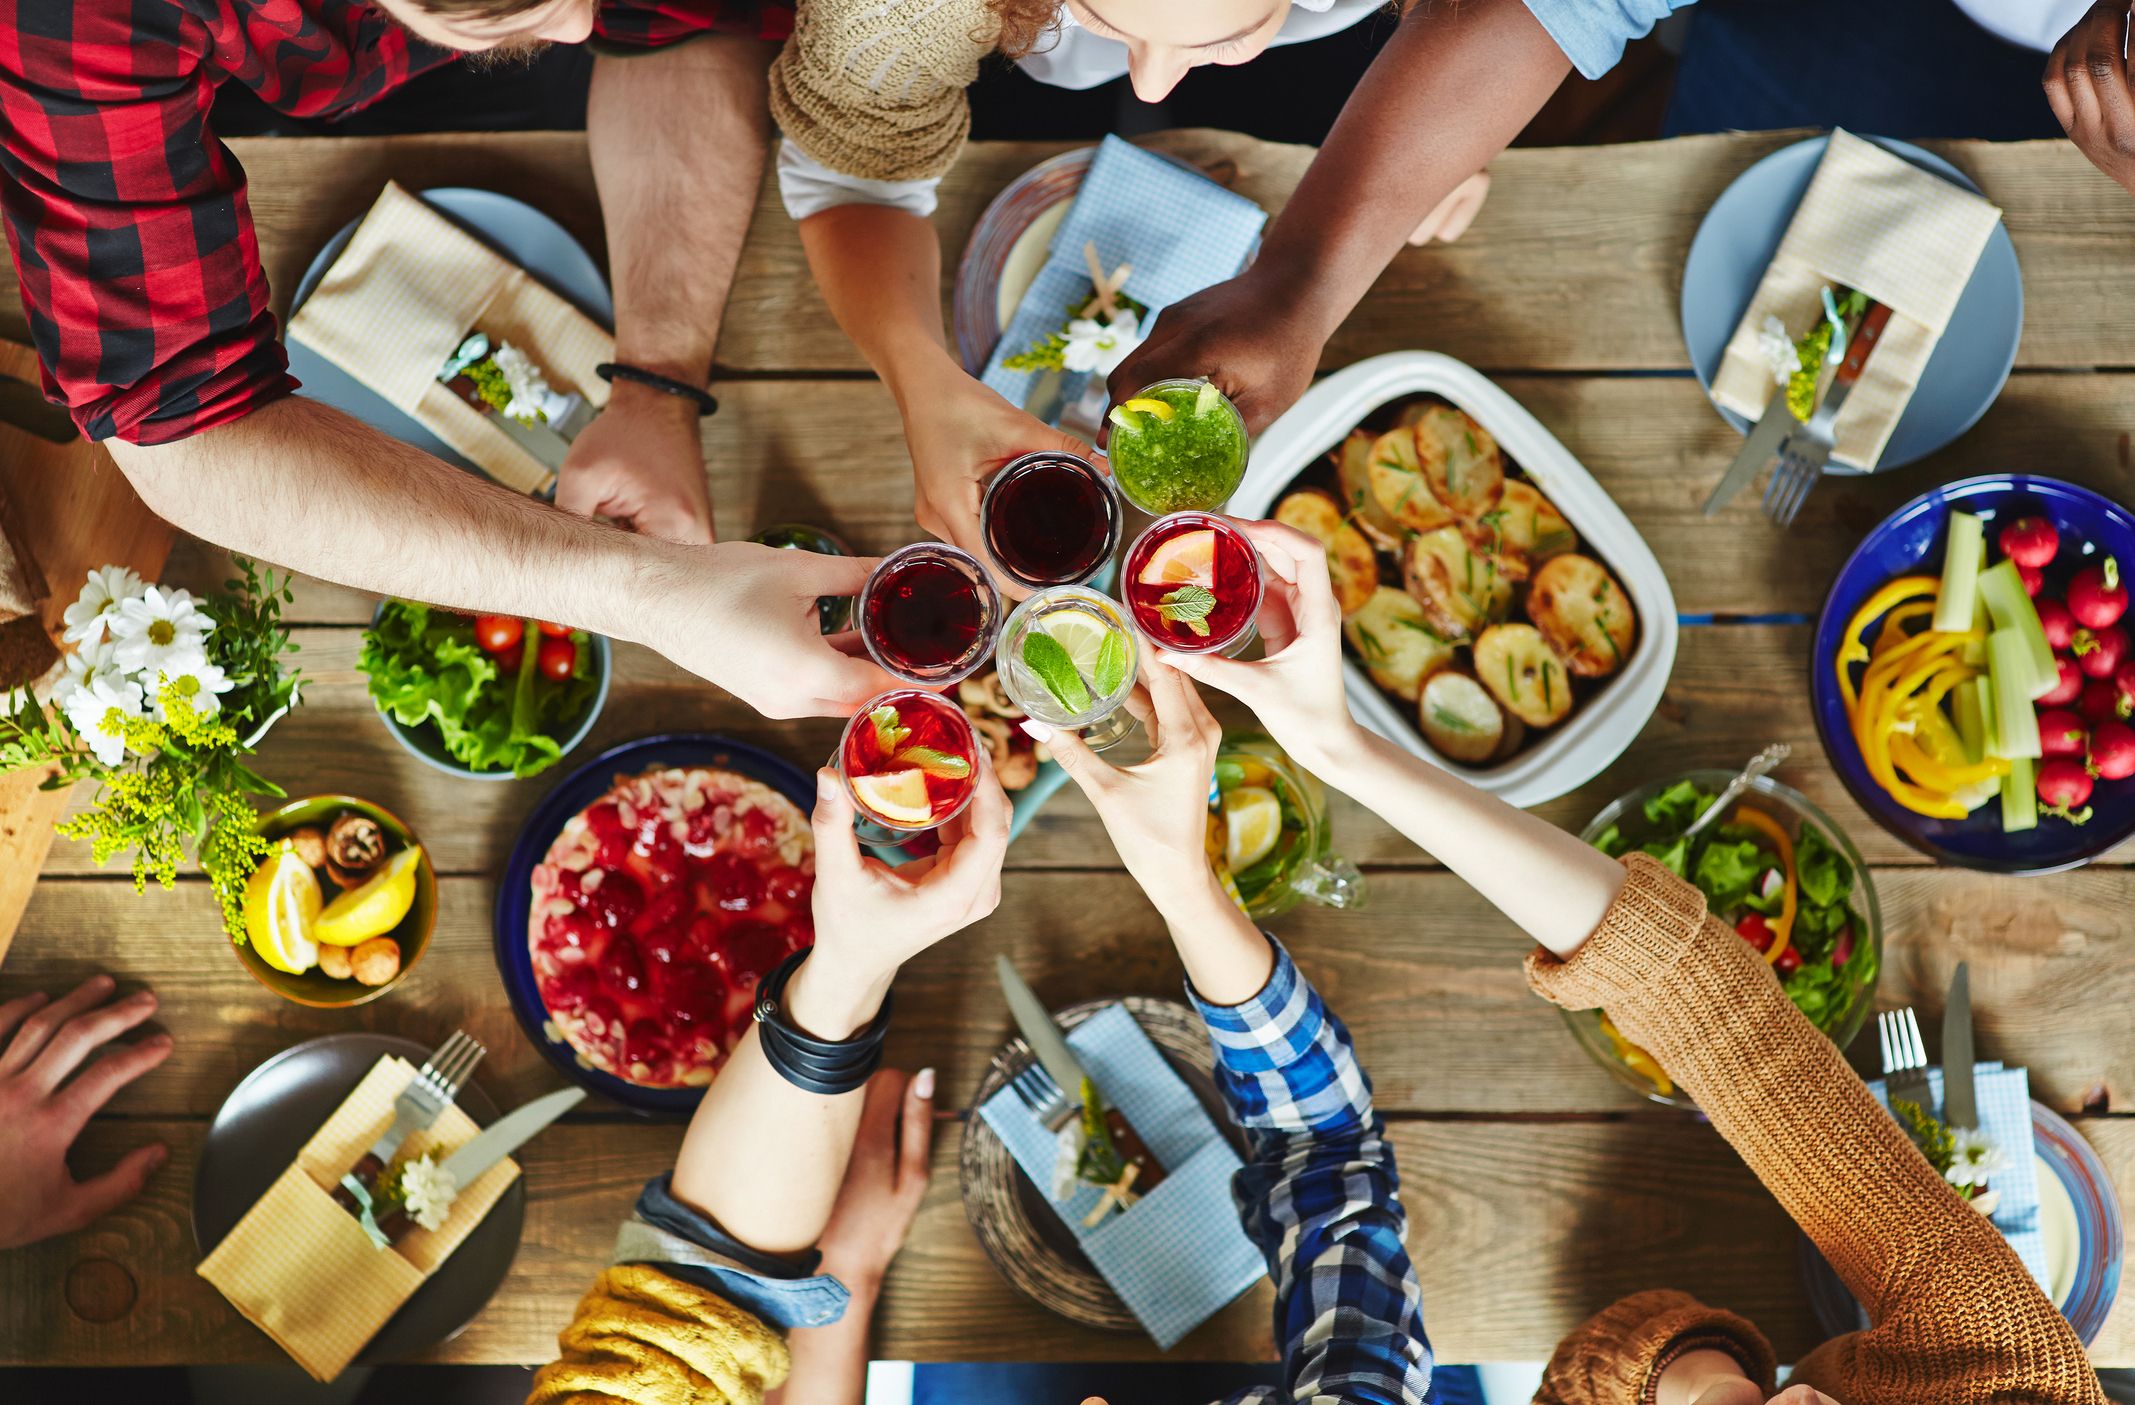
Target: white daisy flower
161, 630
197, 681
1973, 1157
1099, 346
1778, 351
428, 1190
95, 706
92, 612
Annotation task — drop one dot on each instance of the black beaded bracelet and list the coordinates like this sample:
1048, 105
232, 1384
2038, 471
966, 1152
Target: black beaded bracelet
613, 371
826, 1066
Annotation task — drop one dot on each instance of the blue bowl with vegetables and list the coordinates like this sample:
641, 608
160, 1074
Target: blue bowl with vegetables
1971, 675
488, 697
1778, 871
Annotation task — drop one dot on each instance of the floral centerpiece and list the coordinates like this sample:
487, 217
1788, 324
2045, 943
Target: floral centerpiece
1099, 332
163, 697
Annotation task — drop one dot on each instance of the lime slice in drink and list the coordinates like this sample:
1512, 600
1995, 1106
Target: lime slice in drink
1047, 657
900, 797
1252, 820
1208, 400
1186, 559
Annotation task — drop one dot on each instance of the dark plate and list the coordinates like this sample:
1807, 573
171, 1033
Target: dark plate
265, 1122
1016, 1224
1910, 541
515, 889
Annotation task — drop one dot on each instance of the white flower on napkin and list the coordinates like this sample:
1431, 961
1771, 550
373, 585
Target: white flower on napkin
1067, 1156
428, 1190
1101, 346
1777, 348
1973, 1157
531, 397
97, 606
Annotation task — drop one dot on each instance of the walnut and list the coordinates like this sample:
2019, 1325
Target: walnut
334, 962
376, 961
354, 846
309, 843
1015, 764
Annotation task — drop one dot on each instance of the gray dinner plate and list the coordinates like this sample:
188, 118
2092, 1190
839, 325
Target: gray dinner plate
265, 1122
1741, 233
514, 229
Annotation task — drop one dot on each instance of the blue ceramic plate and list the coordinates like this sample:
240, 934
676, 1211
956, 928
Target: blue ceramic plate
2094, 1280
1910, 541
514, 229
515, 889
1742, 231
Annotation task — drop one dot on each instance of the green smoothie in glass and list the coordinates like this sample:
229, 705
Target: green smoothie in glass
1178, 446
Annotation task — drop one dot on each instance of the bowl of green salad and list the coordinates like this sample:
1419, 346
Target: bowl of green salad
1776, 870
492, 697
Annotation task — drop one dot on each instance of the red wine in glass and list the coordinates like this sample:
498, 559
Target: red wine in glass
929, 614
910, 760
1050, 519
1192, 582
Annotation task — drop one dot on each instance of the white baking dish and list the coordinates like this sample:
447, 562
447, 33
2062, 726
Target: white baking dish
1576, 750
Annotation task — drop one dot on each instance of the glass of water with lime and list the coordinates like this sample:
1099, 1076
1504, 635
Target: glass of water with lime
1067, 657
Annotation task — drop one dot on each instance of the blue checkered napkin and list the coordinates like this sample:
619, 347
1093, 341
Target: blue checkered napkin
1180, 230
2004, 1097
1178, 1254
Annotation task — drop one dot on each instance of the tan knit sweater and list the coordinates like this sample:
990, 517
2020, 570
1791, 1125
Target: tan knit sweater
1957, 1316
875, 88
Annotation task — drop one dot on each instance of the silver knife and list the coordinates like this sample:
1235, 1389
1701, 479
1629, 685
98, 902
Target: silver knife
1960, 1107
1766, 439
1046, 1041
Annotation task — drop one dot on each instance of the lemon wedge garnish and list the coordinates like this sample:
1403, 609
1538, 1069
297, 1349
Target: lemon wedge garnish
1144, 405
1252, 821
896, 797
281, 910
376, 906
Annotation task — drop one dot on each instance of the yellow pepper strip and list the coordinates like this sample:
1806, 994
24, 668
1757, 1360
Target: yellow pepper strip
1640, 1061
1853, 651
1887, 679
1893, 630
1931, 774
1879, 723
1783, 925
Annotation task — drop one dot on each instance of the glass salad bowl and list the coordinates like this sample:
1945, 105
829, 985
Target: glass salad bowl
1833, 947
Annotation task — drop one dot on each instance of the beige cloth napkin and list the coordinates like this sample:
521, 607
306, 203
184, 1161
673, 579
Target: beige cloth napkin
403, 295
301, 1268
1905, 237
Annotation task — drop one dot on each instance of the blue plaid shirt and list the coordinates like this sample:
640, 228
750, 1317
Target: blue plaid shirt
1321, 1199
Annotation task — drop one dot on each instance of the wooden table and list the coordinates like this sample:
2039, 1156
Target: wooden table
1537, 1189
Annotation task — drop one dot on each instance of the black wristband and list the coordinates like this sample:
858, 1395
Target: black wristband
826, 1066
613, 371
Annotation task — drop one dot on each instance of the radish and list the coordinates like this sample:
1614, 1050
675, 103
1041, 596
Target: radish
2113, 751
2096, 597
2101, 702
2125, 682
2061, 733
2064, 785
2068, 683
2100, 652
2030, 542
2034, 580
2060, 626
1842, 946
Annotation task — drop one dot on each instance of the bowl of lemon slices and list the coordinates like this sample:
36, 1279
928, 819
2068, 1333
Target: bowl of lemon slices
341, 907
1268, 832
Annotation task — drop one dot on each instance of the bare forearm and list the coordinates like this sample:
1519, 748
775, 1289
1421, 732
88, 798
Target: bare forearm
677, 142
1551, 884
302, 484
830, 1363
1224, 954
1455, 84
880, 271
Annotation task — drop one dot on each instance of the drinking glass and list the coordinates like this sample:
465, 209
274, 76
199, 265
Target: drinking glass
929, 614
1178, 446
1069, 660
909, 759
1050, 519
1193, 583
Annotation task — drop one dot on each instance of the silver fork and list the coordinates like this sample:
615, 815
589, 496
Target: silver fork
1043, 1095
1809, 447
1904, 1057
426, 1097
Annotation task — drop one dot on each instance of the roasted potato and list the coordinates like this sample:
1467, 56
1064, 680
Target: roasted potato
1352, 470
1460, 718
1462, 591
1522, 531
1396, 645
1515, 737
1398, 483
1461, 461
1584, 614
1517, 665
1351, 562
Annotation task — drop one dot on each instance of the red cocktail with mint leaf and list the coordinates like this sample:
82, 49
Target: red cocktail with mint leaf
1193, 583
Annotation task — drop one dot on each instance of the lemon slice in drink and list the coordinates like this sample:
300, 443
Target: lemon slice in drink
281, 908
374, 907
1252, 821
898, 797
1186, 559
1142, 404
1082, 637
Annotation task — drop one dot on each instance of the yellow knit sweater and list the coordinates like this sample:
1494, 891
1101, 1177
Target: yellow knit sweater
642, 1337
1957, 1317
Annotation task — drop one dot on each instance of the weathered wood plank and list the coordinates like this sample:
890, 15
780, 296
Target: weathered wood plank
1427, 977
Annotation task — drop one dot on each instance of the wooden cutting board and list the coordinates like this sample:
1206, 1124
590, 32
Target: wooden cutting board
76, 512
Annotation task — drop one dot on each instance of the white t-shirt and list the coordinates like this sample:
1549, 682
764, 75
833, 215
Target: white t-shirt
2033, 24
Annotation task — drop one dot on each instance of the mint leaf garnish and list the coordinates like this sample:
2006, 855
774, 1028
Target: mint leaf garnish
890, 731
1112, 661
938, 764
1190, 605
1048, 658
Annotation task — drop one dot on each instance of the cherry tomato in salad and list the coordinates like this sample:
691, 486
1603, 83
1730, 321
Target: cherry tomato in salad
557, 659
1758, 933
554, 631
1788, 963
499, 633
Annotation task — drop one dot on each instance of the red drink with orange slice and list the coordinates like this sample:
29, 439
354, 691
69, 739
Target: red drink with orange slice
910, 759
1192, 582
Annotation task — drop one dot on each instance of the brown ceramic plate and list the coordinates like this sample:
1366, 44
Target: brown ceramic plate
1015, 1223
265, 1122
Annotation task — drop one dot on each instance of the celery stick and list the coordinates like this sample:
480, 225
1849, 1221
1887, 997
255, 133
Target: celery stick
1971, 719
2016, 725
1982, 687
1961, 560
2020, 796
2012, 609
1974, 654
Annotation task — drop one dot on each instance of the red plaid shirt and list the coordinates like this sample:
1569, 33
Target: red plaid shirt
128, 219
